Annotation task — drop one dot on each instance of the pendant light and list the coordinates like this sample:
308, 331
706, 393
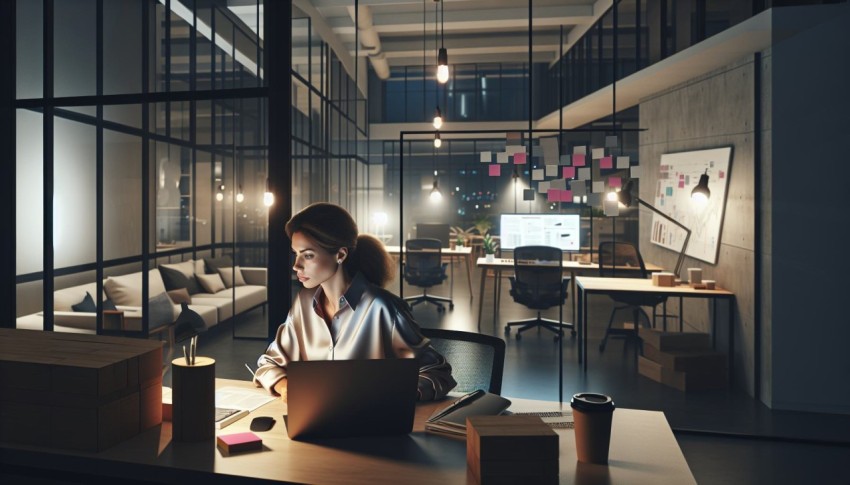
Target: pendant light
268, 196
240, 196
436, 196
219, 196
442, 54
437, 141
701, 193
438, 118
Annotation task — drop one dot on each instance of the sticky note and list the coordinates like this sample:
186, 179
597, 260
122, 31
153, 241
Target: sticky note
623, 162
537, 174
615, 182
579, 187
566, 195
598, 187
513, 136
543, 187
611, 141
598, 153
559, 184
486, 157
669, 191
564, 160
584, 173
495, 170
553, 195
527, 194
579, 150
606, 162
612, 207
513, 149
635, 172
552, 170
519, 158
569, 172
578, 160
502, 157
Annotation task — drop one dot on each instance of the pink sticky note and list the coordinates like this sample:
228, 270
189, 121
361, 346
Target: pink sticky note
681, 184
614, 182
519, 158
495, 170
569, 172
553, 195
721, 174
606, 162
578, 160
566, 196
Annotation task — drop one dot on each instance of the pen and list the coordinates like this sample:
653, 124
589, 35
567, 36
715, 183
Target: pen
465, 399
249, 370
185, 356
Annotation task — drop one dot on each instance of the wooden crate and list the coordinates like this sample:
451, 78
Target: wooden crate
511, 449
77, 391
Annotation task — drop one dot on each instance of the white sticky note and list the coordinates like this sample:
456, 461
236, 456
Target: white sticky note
635, 172
594, 200
579, 187
598, 153
552, 170
565, 160
550, 150
598, 187
486, 157
623, 162
560, 184
512, 149
537, 174
612, 208
501, 157
611, 141
535, 150
584, 173
543, 187
580, 150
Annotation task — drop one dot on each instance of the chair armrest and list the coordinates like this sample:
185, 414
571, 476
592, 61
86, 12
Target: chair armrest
255, 276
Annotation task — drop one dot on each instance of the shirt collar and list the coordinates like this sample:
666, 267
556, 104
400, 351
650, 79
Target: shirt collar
351, 297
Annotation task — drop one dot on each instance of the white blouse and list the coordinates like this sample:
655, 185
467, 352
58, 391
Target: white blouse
371, 323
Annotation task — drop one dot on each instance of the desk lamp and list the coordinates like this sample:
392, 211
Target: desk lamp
700, 192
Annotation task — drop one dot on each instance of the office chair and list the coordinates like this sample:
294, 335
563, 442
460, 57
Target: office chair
538, 283
423, 267
611, 255
478, 361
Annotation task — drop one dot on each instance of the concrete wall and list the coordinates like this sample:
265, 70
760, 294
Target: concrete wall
715, 110
806, 246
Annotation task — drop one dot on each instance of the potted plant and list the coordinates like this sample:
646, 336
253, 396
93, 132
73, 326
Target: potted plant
489, 246
483, 225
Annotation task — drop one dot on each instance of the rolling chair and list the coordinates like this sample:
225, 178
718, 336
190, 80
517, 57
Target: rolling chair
477, 360
539, 284
423, 267
611, 255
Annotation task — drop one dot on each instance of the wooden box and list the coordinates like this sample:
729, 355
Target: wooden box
511, 449
683, 381
663, 279
665, 341
77, 391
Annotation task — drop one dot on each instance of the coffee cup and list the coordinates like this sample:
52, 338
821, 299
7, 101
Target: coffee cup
592, 414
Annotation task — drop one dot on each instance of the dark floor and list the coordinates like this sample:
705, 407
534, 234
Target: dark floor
726, 436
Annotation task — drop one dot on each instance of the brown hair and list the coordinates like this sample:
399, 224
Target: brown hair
333, 228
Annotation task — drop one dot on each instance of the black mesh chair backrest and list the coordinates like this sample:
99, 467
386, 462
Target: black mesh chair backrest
478, 361
612, 254
538, 276
423, 262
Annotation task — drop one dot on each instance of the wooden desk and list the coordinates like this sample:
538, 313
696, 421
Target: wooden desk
464, 252
643, 450
573, 267
608, 286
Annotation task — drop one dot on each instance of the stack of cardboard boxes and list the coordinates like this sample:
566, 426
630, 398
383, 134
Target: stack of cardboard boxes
511, 449
683, 360
77, 391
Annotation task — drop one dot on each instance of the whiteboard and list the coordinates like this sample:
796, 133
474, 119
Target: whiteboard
678, 174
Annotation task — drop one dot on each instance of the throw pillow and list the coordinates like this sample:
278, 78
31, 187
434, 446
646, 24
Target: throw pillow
180, 295
175, 279
227, 276
211, 283
212, 264
109, 305
87, 305
161, 311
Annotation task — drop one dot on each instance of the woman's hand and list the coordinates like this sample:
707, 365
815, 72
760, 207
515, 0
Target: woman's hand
280, 389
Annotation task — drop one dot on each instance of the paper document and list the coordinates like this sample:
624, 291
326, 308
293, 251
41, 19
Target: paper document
241, 398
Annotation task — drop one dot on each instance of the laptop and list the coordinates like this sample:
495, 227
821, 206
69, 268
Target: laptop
347, 398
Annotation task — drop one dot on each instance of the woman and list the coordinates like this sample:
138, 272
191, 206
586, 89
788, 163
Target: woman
343, 312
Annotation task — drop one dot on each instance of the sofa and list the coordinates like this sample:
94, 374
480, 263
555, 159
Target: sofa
125, 291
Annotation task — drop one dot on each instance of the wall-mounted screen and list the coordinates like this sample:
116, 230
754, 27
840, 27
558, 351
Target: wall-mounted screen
557, 230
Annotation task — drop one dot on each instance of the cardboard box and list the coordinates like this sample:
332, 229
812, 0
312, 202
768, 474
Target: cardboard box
666, 341
683, 381
77, 391
511, 449
700, 361
663, 279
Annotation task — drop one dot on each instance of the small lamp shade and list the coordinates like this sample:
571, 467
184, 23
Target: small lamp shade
625, 195
701, 192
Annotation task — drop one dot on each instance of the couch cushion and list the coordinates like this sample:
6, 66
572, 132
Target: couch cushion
211, 283
211, 265
227, 276
180, 295
127, 289
222, 306
162, 311
180, 275
64, 298
247, 296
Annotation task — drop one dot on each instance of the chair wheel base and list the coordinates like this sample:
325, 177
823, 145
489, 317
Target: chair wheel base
507, 331
519, 336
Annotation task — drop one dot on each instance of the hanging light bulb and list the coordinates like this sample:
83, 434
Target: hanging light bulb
240, 197
701, 192
268, 196
438, 118
437, 141
436, 196
219, 196
443, 66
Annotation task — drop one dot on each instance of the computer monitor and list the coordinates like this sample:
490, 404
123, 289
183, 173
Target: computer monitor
433, 231
557, 230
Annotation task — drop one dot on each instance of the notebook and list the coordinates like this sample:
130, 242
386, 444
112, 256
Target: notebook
454, 422
345, 398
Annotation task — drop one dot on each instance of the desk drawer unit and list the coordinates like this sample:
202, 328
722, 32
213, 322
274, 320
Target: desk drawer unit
76, 391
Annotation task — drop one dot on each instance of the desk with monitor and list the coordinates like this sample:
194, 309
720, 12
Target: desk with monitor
643, 450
